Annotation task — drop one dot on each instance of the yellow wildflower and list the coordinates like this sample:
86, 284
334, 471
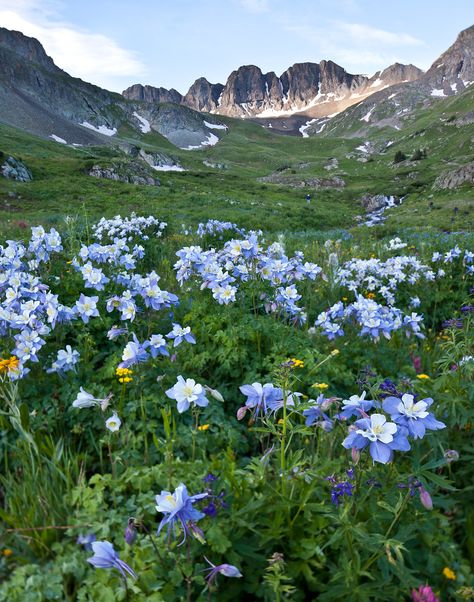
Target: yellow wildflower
297, 363
449, 574
124, 374
9, 365
203, 427
370, 295
423, 376
335, 352
7, 552
320, 386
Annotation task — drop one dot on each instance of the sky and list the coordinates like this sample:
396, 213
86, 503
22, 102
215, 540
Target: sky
170, 43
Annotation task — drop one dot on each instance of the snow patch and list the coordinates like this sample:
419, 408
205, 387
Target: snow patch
215, 126
303, 128
144, 123
437, 92
101, 129
392, 96
168, 168
368, 115
210, 141
376, 83
58, 139
454, 87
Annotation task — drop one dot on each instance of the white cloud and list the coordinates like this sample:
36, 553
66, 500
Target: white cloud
93, 57
255, 6
356, 47
368, 34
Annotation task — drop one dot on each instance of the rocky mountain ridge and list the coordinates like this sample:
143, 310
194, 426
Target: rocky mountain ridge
312, 89
452, 73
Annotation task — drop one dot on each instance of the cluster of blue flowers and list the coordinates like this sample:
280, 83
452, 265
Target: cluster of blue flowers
373, 319
451, 255
215, 227
383, 277
30, 311
242, 260
409, 418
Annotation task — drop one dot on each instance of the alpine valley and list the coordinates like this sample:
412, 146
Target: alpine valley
258, 138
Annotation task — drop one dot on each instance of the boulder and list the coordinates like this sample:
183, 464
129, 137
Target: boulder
455, 178
14, 169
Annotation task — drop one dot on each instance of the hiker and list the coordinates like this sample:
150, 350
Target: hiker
308, 198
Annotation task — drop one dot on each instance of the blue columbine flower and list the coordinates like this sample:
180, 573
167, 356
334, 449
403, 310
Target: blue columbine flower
414, 416
187, 392
381, 436
355, 406
178, 507
261, 397
105, 557
228, 570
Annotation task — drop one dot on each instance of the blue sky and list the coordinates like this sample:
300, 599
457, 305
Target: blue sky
170, 43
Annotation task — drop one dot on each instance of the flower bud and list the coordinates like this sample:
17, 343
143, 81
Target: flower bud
130, 532
425, 498
241, 412
355, 454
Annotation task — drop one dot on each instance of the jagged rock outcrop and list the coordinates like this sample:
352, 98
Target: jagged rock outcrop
129, 173
455, 178
151, 94
453, 71
203, 96
14, 169
314, 89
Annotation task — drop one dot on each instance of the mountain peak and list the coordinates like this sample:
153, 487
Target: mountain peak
26, 47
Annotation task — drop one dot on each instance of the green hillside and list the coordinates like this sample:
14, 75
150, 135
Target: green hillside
231, 189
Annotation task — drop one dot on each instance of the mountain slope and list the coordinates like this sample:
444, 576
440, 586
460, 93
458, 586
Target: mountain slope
450, 74
39, 97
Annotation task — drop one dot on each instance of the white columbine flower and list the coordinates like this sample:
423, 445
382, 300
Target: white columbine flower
113, 423
379, 429
410, 409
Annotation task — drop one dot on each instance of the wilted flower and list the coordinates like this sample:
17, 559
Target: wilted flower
105, 557
130, 532
451, 455
86, 400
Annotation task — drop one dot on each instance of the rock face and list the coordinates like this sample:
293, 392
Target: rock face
454, 70
307, 88
40, 98
284, 178
13, 169
314, 89
455, 178
203, 96
129, 173
151, 94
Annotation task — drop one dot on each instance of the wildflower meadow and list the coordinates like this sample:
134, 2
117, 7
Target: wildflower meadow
205, 412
